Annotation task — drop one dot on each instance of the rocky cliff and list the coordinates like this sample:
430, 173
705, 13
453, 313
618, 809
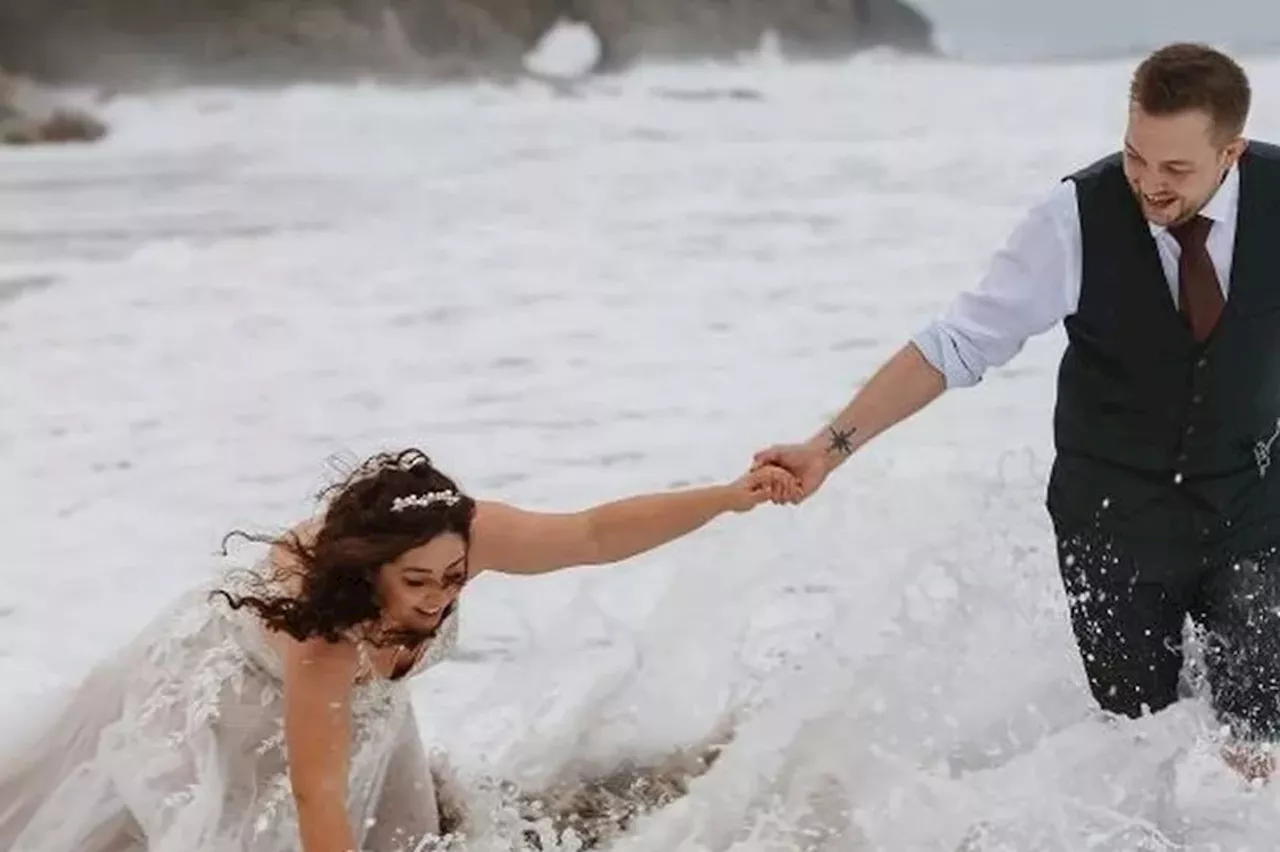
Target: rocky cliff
125, 43
29, 115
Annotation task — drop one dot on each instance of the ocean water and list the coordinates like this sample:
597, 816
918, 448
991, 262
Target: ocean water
571, 297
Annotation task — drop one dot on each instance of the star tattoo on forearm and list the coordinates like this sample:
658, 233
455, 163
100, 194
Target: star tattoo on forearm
841, 440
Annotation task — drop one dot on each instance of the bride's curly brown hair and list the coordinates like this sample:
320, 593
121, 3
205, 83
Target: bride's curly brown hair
335, 572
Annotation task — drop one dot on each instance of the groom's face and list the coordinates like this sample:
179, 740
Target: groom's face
1174, 163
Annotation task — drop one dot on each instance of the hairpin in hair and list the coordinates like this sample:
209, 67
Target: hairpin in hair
422, 501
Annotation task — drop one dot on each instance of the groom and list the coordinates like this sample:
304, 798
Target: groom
1163, 263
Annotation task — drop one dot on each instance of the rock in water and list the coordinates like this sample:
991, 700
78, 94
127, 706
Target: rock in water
594, 806
29, 115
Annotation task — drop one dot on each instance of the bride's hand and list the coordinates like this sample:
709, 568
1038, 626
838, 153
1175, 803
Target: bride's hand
769, 482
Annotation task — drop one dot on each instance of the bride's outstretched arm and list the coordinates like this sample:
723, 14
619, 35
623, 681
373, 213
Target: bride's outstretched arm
517, 541
318, 678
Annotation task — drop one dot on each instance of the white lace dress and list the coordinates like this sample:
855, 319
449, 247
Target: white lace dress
175, 743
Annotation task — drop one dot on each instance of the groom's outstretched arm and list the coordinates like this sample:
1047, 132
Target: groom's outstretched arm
906, 383
1032, 282
903, 385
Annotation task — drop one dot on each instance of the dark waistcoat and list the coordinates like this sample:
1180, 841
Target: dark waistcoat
1138, 398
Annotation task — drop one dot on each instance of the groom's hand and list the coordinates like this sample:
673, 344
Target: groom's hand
806, 462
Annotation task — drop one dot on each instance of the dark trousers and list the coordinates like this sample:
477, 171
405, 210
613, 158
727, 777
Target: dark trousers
1138, 556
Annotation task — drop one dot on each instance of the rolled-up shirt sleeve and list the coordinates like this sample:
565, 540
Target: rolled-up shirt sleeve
1032, 284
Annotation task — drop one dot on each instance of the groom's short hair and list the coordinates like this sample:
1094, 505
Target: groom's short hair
1186, 76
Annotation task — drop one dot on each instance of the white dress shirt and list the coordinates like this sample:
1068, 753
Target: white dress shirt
1033, 283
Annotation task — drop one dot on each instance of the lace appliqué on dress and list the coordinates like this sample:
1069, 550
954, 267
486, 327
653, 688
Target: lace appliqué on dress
200, 743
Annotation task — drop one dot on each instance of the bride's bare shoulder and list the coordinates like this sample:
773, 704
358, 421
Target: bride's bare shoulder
317, 658
305, 531
285, 567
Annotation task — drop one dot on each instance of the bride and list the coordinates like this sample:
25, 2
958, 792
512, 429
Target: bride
269, 712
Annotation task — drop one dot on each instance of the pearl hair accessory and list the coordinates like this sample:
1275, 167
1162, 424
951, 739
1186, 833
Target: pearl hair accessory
422, 501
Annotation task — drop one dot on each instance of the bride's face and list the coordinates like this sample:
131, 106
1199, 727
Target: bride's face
416, 587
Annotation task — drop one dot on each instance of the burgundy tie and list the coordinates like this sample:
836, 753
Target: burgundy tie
1199, 295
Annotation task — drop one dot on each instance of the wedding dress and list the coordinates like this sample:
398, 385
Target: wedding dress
175, 743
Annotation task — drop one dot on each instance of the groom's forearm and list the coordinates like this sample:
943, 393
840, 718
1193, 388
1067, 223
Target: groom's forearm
906, 383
